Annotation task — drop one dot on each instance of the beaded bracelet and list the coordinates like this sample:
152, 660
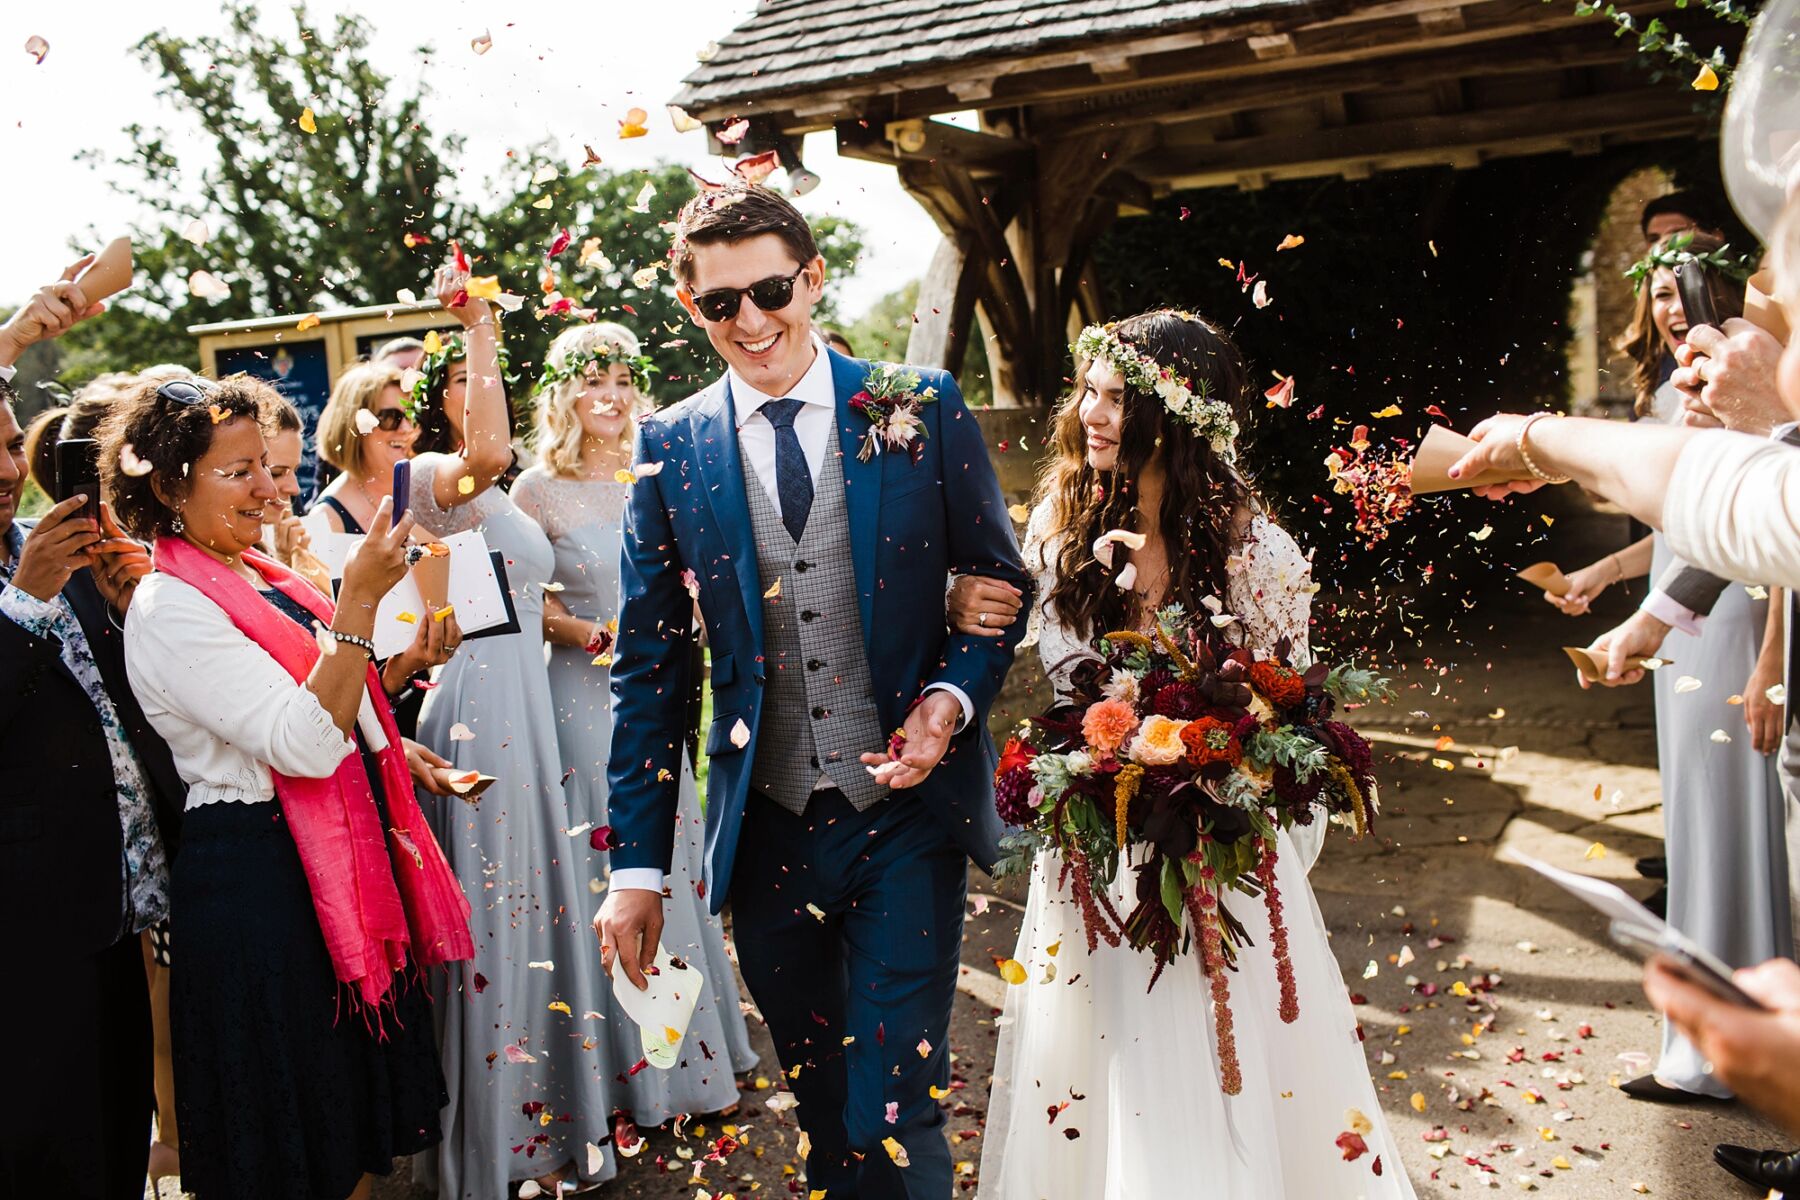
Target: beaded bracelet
354, 640
1525, 454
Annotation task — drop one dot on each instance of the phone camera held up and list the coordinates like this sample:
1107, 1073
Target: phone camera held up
78, 474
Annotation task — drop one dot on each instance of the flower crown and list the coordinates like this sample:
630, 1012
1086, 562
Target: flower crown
1675, 253
434, 369
1211, 419
575, 366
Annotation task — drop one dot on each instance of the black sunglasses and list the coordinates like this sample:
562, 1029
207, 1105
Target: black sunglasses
390, 419
770, 295
186, 391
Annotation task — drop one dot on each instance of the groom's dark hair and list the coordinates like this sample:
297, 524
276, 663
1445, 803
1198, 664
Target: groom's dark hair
735, 214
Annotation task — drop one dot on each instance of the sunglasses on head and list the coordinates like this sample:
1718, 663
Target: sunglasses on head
391, 419
770, 295
186, 391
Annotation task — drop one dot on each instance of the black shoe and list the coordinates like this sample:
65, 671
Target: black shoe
1658, 902
1762, 1169
1653, 868
1648, 1087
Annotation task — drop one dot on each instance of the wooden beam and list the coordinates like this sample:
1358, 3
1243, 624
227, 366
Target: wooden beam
1279, 45
1408, 67
971, 90
940, 332
1113, 67
1441, 20
1462, 140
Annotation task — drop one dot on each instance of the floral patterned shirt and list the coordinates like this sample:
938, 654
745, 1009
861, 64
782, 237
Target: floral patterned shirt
144, 864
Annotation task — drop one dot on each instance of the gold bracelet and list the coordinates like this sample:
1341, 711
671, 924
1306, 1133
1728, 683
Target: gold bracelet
1525, 455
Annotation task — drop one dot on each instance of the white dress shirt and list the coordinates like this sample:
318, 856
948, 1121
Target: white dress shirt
1733, 508
228, 710
7, 372
814, 426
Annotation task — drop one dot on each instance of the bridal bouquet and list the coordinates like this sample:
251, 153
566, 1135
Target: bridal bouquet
1186, 754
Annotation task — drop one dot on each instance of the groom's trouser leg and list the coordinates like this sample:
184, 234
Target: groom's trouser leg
793, 964
902, 950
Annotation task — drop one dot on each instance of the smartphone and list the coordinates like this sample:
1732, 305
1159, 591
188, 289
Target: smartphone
78, 474
402, 488
1696, 295
1686, 959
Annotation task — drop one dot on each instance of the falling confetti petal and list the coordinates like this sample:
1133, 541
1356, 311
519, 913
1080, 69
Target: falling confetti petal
642, 203
484, 287
1012, 970
544, 174
596, 1158
1019, 512
1372, 970
648, 469
1687, 683
896, 1151
1292, 241
309, 321
366, 422
1127, 578
37, 47
774, 591
542, 965
1707, 80
307, 123
134, 466
410, 379
1260, 296
682, 122
1103, 545
733, 133
466, 485
460, 733
518, 1054
1282, 394
1482, 534
818, 914
196, 232
633, 125
1777, 694
740, 734
1720, 737
482, 43
207, 286
1756, 591
1594, 851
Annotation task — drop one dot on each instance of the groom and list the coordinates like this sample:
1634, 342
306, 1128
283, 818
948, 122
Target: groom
820, 578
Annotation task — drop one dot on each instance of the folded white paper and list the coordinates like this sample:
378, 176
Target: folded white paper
664, 1008
474, 588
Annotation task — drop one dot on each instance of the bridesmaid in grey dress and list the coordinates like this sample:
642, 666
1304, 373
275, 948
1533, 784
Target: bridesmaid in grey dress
1723, 815
528, 1053
593, 382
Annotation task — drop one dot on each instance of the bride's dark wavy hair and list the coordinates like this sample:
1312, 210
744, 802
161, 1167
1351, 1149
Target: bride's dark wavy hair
1204, 494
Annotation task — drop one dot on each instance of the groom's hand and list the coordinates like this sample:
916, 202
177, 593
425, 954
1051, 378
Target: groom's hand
928, 727
630, 924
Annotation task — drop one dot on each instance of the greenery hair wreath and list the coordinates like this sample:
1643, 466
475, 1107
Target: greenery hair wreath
434, 369
1211, 419
576, 366
1676, 253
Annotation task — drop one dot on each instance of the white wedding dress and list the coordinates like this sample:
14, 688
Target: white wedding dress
1104, 1090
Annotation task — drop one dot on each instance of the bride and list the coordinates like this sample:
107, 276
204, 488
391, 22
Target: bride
1105, 1087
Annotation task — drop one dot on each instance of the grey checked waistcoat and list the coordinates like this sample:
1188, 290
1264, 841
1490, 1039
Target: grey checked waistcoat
818, 710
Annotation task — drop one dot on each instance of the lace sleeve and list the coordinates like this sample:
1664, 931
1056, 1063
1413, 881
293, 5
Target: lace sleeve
1271, 588
424, 506
529, 492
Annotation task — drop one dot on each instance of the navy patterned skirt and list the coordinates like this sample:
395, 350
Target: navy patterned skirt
282, 1089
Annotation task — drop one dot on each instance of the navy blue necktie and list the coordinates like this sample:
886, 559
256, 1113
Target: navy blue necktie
793, 479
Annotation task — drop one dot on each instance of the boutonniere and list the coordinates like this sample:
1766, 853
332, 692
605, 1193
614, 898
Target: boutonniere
892, 400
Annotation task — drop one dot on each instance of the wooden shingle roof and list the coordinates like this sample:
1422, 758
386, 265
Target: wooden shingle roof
794, 47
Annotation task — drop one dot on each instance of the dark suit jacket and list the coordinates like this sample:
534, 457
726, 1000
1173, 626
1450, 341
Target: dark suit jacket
60, 843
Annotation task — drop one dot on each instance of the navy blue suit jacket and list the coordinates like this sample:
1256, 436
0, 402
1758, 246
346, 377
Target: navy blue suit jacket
911, 526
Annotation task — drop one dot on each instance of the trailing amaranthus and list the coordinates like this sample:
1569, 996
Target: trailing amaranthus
1203, 909
1278, 934
1124, 788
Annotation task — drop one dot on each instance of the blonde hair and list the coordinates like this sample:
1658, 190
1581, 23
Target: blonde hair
340, 444
557, 435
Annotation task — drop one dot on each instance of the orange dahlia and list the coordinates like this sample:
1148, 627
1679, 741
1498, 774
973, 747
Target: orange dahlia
1281, 685
1107, 724
1210, 740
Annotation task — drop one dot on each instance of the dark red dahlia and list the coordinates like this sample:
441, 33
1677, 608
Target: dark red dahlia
1155, 681
1296, 795
1012, 796
1355, 752
1182, 701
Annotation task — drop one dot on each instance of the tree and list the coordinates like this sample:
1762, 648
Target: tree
615, 261
296, 219
884, 331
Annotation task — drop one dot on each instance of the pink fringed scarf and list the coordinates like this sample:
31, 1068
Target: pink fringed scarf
369, 923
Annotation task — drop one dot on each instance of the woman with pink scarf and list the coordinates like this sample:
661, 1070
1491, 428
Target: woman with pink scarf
311, 895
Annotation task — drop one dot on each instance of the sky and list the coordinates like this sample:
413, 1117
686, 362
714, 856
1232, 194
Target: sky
551, 73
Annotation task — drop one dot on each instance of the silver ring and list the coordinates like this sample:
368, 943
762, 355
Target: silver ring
981, 620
